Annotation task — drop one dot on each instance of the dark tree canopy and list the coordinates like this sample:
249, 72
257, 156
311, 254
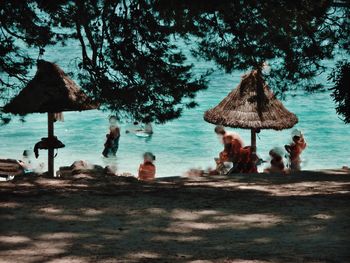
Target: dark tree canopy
340, 76
131, 64
292, 36
128, 61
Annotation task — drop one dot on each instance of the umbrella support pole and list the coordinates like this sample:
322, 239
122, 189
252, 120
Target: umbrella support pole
50, 119
253, 145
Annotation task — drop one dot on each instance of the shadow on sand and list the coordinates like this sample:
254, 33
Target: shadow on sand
108, 219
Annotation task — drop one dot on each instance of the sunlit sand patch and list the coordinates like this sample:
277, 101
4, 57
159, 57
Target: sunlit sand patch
44, 248
92, 212
208, 212
236, 221
51, 210
184, 215
14, 239
246, 261
66, 217
176, 228
59, 235
49, 182
112, 237
322, 216
10, 204
176, 238
300, 189
143, 255
52, 243
215, 184
197, 225
68, 260
265, 220
156, 211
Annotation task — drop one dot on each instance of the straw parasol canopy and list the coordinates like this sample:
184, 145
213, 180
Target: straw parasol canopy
248, 108
252, 105
50, 91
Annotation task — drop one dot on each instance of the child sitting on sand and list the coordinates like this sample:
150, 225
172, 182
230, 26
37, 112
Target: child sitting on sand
247, 161
147, 170
277, 165
295, 149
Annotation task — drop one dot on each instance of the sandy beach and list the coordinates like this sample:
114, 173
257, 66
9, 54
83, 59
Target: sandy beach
246, 218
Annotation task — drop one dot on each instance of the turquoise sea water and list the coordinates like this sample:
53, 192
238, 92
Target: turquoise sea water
188, 142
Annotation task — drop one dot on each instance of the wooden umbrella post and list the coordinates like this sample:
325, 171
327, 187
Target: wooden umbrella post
253, 145
50, 119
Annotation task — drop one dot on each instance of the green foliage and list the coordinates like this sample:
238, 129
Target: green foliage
128, 62
131, 64
340, 76
293, 36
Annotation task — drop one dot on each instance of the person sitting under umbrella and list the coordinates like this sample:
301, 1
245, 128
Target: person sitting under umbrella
222, 133
239, 156
228, 155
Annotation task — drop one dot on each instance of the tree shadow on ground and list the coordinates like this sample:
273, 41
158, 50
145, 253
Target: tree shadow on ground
176, 220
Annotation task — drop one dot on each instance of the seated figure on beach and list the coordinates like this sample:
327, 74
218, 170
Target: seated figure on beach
239, 156
247, 162
228, 155
295, 149
112, 138
277, 164
26, 161
147, 170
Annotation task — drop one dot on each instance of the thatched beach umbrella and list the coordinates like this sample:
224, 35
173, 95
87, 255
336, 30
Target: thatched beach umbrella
252, 105
50, 91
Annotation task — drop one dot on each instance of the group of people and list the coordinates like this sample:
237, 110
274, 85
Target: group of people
147, 169
294, 150
234, 158
111, 144
237, 158
242, 158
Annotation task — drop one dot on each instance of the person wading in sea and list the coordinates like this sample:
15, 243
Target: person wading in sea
112, 138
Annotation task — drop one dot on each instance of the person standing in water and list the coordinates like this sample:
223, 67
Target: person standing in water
112, 138
295, 149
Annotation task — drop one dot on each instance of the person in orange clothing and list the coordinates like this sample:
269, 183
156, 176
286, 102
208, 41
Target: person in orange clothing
231, 150
246, 163
147, 170
295, 149
244, 159
222, 133
230, 153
